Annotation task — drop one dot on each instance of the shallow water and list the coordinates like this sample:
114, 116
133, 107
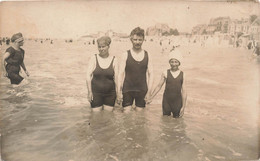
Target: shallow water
48, 117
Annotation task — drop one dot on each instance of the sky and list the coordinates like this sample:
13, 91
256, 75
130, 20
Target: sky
72, 19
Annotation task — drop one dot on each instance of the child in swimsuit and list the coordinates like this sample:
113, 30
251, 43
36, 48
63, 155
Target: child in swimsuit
174, 97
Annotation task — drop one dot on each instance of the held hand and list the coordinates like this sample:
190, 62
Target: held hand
148, 99
119, 99
90, 96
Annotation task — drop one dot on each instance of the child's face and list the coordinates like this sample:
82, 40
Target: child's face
174, 63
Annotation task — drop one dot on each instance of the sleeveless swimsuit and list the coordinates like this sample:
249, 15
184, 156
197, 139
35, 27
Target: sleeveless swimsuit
135, 85
135, 73
14, 62
172, 98
103, 85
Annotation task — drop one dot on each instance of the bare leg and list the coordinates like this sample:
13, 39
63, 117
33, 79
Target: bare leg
126, 109
108, 108
97, 109
139, 108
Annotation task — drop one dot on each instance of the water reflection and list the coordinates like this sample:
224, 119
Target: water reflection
134, 125
97, 135
176, 143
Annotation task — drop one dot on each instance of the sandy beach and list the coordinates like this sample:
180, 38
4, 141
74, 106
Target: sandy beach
49, 118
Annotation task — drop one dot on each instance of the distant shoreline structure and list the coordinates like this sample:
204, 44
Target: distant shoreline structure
217, 26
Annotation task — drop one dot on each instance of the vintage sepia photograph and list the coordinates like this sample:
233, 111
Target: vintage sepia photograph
122, 80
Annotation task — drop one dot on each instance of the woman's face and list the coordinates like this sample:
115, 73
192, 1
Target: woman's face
20, 43
103, 48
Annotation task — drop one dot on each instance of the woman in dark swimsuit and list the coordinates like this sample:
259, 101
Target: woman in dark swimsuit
13, 59
102, 76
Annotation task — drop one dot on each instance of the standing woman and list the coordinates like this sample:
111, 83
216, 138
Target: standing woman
13, 59
102, 76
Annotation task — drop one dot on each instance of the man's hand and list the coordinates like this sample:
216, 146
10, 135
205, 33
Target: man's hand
119, 98
148, 98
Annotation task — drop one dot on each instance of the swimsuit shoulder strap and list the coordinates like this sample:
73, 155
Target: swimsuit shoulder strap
97, 63
112, 62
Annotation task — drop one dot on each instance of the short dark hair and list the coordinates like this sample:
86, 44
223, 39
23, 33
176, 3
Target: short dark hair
16, 36
137, 31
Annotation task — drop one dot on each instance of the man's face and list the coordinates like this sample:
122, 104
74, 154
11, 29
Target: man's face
137, 41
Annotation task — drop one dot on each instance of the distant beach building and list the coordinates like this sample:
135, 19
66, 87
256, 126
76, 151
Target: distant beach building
239, 26
109, 33
221, 24
117, 35
227, 32
158, 30
255, 29
211, 29
199, 29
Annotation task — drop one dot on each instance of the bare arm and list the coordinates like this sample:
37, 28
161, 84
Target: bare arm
6, 55
150, 79
254, 50
150, 75
184, 96
90, 70
116, 74
24, 68
121, 77
158, 87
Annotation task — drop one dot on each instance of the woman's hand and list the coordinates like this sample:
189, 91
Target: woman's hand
90, 96
5, 74
181, 112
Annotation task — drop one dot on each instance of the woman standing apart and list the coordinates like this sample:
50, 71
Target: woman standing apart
102, 76
13, 59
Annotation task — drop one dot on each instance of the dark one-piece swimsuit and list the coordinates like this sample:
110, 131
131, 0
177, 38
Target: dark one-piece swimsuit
172, 98
14, 62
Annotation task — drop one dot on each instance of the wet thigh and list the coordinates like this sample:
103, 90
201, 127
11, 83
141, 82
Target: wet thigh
108, 108
176, 107
166, 108
110, 100
15, 78
139, 98
128, 99
97, 100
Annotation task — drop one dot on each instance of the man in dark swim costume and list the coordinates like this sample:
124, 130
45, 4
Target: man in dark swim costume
13, 59
136, 73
